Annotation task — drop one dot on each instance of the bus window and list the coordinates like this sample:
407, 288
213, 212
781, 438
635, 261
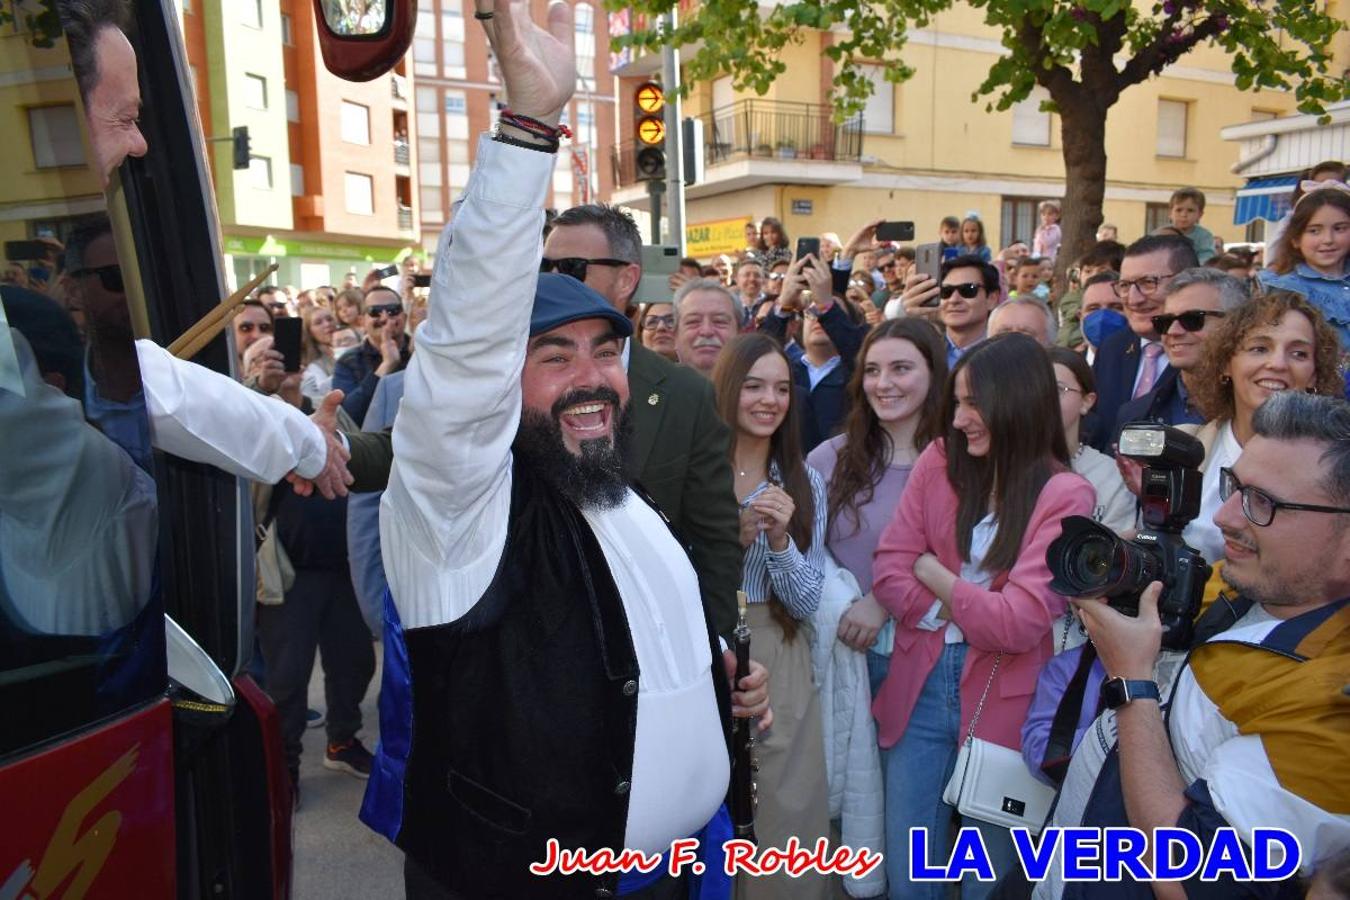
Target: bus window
81, 619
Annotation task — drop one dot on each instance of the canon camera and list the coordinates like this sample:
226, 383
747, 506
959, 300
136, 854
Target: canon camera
1090, 560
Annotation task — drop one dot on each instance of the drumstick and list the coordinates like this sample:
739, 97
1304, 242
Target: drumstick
205, 329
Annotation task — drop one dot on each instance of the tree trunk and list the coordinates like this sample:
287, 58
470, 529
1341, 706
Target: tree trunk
1083, 133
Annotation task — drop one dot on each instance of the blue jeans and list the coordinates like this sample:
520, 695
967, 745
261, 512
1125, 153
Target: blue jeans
917, 769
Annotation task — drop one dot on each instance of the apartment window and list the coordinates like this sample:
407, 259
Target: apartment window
879, 114
584, 41
424, 56
1031, 126
55, 135
360, 192
452, 45
1156, 216
355, 123
253, 13
255, 91
428, 114
260, 172
292, 106
297, 180
432, 207
286, 30
456, 115
1019, 219
1172, 128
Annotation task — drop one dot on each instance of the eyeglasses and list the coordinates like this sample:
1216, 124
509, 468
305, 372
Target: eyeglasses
384, 309
654, 323
109, 276
1065, 389
775, 276
1148, 285
965, 290
250, 327
575, 266
890, 265
1258, 506
1191, 319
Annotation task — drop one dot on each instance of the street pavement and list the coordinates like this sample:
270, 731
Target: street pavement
336, 856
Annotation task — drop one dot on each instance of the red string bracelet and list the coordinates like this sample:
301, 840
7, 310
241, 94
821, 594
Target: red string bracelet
534, 126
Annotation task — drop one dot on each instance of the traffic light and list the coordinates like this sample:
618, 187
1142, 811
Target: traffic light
242, 151
650, 128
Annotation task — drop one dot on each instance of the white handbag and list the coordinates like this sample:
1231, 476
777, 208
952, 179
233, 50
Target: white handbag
992, 783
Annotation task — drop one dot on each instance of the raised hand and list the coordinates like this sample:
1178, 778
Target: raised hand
333, 480
920, 291
538, 65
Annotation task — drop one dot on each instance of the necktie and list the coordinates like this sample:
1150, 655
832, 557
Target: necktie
1148, 369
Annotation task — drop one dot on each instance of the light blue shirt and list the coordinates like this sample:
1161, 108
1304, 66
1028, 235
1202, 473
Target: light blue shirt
954, 352
816, 374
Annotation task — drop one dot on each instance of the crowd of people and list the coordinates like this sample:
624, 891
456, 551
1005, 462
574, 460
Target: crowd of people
913, 445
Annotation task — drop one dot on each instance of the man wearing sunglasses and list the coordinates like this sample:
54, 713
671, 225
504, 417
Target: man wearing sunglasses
383, 352
1250, 730
968, 292
1197, 301
1130, 362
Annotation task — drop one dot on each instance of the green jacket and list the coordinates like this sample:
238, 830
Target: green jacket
679, 456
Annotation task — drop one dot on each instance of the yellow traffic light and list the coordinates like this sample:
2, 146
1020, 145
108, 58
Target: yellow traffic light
651, 130
650, 98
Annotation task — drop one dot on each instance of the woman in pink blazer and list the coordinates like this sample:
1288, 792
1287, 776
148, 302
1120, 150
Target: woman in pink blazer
961, 568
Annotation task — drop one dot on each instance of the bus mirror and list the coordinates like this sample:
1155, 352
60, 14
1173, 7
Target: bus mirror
201, 696
363, 39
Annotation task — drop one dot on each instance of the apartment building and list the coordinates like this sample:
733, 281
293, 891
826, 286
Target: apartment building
923, 149
330, 188
459, 93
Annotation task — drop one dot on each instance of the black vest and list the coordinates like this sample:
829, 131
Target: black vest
525, 714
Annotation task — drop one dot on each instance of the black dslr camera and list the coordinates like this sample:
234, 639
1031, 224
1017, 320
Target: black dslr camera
1089, 560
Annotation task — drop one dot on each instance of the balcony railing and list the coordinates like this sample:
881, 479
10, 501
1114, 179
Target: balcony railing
785, 130
765, 129
398, 87
401, 156
405, 218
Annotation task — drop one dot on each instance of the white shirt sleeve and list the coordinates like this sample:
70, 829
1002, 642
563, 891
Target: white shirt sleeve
202, 415
444, 516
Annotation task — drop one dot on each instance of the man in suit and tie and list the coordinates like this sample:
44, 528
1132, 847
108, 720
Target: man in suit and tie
680, 444
1129, 363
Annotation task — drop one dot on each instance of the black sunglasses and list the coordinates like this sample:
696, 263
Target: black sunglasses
965, 290
384, 309
109, 276
575, 266
1191, 319
1258, 506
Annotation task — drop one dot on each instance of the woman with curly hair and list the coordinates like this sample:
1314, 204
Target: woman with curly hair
895, 411
1276, 342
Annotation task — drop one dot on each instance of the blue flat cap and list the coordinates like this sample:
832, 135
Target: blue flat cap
560, 299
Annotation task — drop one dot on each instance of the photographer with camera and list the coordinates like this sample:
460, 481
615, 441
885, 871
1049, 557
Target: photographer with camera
1250, 729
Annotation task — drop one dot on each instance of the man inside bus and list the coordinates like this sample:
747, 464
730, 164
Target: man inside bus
525, 574
105, 70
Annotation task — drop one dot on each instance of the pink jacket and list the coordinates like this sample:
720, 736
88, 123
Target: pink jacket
1017, 618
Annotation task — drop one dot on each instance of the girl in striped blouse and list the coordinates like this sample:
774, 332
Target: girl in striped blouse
783, 514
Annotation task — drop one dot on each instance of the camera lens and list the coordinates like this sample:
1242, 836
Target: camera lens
1091, 560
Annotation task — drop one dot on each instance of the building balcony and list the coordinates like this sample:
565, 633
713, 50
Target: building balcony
405, 218
757, 142
398, 88
402, 156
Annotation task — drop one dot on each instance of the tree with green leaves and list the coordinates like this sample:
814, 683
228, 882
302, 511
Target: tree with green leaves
1069, 47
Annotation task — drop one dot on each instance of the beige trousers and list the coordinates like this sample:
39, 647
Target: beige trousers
793, 798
